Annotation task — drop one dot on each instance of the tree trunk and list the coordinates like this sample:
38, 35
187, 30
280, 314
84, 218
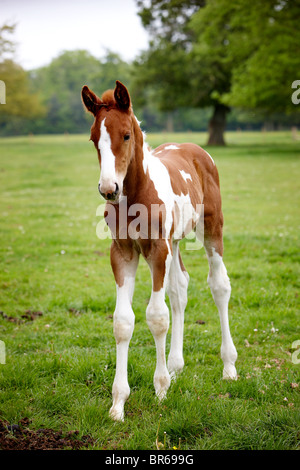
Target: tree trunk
217, 125
170, 123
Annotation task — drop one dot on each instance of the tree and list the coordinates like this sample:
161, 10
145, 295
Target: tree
264, 70
235, 54
210, 76
7, 46
21, 100
169, 19
161, 72
60, 83
162, 69
181, 74
256, 46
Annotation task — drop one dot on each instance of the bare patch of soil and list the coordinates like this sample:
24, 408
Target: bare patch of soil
20, 437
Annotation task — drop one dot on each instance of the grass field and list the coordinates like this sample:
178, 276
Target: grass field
60, 363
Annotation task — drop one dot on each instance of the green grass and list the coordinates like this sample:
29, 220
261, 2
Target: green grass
60, 367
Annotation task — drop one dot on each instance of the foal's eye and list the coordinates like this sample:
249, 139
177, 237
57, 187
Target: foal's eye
126, 137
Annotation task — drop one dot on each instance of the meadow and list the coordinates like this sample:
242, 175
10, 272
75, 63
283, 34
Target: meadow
57, 297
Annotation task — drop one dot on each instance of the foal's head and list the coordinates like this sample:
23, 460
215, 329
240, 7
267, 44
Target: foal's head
113, 136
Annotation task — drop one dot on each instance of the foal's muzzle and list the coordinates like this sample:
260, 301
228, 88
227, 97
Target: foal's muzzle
109, 195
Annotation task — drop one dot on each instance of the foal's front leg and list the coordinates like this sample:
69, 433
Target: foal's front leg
157, 315
124, 271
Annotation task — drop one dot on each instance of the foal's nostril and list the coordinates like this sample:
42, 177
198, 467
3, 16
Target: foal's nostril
112, 195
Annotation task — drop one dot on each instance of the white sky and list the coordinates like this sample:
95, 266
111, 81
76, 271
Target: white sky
47, 27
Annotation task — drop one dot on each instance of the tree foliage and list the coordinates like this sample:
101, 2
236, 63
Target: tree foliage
269, 60
57, 86
21, 100
169, 19
61, 81
160, 70
227, 53
165, 66
186, 75
7, 46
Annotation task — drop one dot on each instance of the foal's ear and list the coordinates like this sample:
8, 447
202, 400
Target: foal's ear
122, 96
90, 100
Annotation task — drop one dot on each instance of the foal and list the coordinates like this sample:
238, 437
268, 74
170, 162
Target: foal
170, 178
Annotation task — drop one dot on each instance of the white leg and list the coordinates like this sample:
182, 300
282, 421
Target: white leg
123, 329
220, 288
177, 291
157, 316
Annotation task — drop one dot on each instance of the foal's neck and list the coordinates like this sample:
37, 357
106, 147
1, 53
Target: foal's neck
136, 176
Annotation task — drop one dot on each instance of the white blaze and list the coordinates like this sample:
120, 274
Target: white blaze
108, 170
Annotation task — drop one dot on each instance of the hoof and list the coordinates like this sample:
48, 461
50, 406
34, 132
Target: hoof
161, 395
229, 372
116, 413
175, 366
161, 385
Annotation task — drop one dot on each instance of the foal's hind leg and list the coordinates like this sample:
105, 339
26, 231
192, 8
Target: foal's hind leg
219, 283
177, 291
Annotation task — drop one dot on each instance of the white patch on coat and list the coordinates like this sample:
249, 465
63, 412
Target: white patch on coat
185, 212
171, 147
139, 122
210, 157
158, 173
185, 176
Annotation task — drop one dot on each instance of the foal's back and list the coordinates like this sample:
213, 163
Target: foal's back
191, 169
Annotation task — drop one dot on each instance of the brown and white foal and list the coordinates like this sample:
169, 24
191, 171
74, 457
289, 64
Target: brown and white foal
170, 178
